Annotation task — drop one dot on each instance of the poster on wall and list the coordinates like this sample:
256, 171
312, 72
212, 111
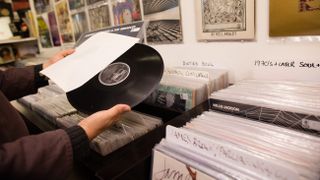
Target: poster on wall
164, 19
54, 29
126, 11
225, 19
76, 4
44, 33
64, 22
294, 18
99, 17
80, 24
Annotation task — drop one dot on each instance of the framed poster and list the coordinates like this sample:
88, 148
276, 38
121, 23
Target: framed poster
164, 19
294, 18
225, 19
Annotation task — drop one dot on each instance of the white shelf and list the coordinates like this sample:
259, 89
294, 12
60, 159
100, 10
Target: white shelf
10, 41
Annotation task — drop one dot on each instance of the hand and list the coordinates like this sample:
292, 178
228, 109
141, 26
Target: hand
60, 55
99, 121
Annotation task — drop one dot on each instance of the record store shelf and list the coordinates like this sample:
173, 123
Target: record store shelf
130, 161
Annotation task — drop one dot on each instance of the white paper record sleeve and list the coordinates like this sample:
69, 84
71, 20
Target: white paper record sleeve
90, 57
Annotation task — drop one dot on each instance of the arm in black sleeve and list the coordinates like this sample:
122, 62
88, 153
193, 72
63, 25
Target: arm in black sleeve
18, 82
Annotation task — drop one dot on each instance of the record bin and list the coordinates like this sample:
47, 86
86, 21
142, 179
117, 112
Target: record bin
132, 161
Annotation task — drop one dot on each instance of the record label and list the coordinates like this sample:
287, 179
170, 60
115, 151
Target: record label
114, 74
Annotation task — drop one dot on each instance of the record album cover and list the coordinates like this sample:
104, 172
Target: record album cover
64, 21
42, 6
126, 11
80, 24
6, 54
54, 29
44, 33
99, 17
164, 21
75, 4
294, 18
225, 19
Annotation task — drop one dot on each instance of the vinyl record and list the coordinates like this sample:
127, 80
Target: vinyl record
128, 80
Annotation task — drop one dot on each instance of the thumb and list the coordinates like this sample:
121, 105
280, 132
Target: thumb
117, 110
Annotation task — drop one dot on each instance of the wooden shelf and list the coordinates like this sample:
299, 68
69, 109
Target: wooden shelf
11, 41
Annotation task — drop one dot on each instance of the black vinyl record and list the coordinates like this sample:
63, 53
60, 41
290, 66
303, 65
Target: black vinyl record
128, 80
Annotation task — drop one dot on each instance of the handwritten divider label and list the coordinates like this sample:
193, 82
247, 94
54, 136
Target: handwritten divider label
215, 149
165, 167
204, 75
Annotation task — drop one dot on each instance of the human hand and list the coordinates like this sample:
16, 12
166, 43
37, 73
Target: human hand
97, 122
60, 55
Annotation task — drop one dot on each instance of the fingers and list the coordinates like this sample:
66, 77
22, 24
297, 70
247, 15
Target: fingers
66, 52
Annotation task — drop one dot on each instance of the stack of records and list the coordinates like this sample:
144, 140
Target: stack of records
52, 104
43, 93
130, 126
220, 146
288, 104
183, 88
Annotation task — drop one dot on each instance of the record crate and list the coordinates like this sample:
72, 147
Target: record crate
133, 160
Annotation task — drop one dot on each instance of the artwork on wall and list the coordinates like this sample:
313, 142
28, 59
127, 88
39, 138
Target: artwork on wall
42, 6
65, 25
99, 17
294, 18
80, 24
164, 21
75, 4
54, 29
225, 19
126, 11
44, 33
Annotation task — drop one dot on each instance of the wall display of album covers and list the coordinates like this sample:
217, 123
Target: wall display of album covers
164, 21
126, 11
80, 24
65, 25
225, 19
99, 17
54, 29
44, 33
294, 18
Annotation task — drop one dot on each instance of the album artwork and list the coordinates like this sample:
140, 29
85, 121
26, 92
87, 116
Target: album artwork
42, 6
294, 18
164, 21
125, 12
44, 33
225, 19
64, 21
99, 17
75, 4
89, 2
133, 30
80, 24
54, 29
6, 54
